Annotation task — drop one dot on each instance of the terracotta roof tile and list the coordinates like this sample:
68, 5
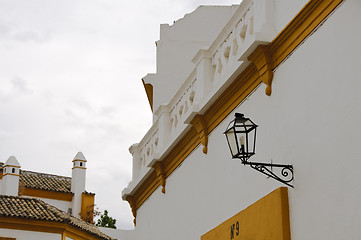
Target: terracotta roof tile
36, 209
45, 181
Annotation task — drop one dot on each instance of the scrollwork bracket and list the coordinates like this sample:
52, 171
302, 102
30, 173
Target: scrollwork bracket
285, 175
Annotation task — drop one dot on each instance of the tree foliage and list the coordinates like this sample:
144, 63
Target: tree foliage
106, 221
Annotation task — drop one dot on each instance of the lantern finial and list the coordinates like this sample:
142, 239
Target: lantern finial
239, 115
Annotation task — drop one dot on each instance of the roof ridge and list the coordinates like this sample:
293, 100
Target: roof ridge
26, 172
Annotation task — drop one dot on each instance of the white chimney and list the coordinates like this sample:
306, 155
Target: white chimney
78, 177
10, 180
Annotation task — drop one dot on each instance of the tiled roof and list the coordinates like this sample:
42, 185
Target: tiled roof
32, 208
45, 181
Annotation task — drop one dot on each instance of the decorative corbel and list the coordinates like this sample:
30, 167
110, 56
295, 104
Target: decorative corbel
131, 202
261, 57
159, 168
199, 123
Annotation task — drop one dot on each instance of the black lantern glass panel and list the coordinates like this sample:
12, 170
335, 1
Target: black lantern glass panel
241, 137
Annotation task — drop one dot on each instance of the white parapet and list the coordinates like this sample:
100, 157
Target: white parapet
210, 67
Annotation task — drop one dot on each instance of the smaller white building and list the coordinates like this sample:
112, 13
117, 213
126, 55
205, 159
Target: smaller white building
37, 205
27, 218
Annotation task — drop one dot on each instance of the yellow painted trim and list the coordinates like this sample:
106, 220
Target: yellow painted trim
12, 174
268, 218
10, 166
46, 194
79, 167
87, 207
149, 91
46, 226
80, 160
260, 69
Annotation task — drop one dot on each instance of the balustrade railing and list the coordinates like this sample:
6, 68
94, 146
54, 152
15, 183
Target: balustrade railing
213, 68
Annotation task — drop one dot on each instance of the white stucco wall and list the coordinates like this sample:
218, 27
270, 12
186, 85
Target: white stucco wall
28, 235
118, 233
285, 10
62, 205
311, 121
179, 43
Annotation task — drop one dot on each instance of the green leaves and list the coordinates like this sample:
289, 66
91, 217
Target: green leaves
106, 221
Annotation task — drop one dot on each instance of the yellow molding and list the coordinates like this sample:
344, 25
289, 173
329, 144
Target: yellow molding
241, 87
46, 194
10, 166
200, 124
268, 218
47, 227
267, 58
79, 167
80, 160
12, 174
261, 57
159, 169
30, 225
300, 27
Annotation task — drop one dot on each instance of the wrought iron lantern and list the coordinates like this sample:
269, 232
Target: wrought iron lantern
241, 138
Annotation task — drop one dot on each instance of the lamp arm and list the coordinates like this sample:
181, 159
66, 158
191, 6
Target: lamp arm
285, 176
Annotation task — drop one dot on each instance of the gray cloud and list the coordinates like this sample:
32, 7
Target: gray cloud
85, 59
20, 85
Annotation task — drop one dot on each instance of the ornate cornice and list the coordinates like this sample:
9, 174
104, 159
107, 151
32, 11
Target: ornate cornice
264, 60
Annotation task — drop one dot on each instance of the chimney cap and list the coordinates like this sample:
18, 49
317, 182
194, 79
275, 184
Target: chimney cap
12, 161
79, 156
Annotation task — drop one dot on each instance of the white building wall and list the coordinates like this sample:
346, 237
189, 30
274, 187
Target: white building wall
311, 121
285, 10
62, 205
28, 235
179, 43
118, 234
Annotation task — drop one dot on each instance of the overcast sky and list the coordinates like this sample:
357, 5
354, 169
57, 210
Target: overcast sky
70, 80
